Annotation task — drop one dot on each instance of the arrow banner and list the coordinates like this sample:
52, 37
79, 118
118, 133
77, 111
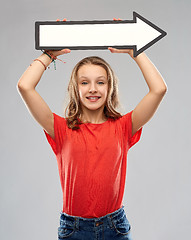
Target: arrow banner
138, 34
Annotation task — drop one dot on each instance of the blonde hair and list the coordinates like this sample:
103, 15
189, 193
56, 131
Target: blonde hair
74, 108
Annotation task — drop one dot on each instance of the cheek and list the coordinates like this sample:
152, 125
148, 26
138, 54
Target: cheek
81, 92
105, 92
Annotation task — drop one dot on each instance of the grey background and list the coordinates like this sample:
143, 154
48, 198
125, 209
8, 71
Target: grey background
157, 194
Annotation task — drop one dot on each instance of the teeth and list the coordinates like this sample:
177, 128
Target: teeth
93, 97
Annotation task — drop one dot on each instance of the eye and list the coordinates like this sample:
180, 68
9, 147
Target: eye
101, 82
84, 83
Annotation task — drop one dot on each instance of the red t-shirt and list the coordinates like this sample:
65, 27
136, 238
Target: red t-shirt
92, 164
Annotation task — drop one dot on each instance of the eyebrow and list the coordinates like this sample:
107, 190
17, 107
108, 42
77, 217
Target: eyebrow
97, 77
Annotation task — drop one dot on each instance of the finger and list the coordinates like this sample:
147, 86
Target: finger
58, 20
115, 50
115, 19
112, 50
66, 50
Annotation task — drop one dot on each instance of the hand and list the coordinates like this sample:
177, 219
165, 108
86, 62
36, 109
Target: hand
115, 50
60, 52
57, 53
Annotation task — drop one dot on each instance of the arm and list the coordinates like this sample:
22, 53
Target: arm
33, 101
146, 108
157, 89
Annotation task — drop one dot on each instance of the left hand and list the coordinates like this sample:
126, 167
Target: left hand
115, 50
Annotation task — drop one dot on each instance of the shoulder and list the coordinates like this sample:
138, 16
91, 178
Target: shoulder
59, 117
59, 121
126, 117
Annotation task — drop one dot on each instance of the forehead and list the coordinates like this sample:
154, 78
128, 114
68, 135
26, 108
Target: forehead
91, 70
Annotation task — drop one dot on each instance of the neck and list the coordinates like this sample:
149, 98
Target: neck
93, 116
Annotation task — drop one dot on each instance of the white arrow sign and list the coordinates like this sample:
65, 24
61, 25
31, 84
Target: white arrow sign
138, 34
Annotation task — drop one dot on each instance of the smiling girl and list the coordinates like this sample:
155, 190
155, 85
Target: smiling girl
92, 141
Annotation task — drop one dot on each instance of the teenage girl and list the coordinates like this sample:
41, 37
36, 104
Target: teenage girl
92, 141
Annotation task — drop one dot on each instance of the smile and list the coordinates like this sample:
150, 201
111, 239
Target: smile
93, 99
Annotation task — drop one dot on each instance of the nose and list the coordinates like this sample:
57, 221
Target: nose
92, 88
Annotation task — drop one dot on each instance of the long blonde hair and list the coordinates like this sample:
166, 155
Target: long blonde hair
74, 108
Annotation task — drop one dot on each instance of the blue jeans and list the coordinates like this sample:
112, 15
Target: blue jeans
114, 225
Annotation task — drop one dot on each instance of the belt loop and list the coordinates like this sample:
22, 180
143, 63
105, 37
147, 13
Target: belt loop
109, 217
76, 223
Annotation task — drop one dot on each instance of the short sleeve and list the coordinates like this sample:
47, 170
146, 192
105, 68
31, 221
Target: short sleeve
59, 134
126, 122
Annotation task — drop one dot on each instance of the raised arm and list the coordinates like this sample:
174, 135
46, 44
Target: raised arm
146, 108
34, 102
157, 89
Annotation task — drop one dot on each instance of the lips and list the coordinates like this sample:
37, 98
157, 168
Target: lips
93, 97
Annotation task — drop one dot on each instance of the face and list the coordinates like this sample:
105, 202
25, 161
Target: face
92, 82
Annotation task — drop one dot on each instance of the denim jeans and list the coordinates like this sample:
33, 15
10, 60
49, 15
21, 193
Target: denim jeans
114, 225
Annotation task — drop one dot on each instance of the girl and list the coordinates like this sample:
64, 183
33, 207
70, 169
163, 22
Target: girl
92, 141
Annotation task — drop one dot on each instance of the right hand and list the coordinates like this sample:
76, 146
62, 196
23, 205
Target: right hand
57, 53
63, 51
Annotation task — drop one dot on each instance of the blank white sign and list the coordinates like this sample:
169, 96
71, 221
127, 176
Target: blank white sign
138, 34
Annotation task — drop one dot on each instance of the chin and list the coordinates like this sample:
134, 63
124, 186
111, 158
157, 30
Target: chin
93, 107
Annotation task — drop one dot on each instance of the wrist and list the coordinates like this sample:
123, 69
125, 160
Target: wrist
50, 55
44, 59
139, 57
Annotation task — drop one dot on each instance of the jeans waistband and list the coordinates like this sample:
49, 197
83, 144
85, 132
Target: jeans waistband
92, 222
